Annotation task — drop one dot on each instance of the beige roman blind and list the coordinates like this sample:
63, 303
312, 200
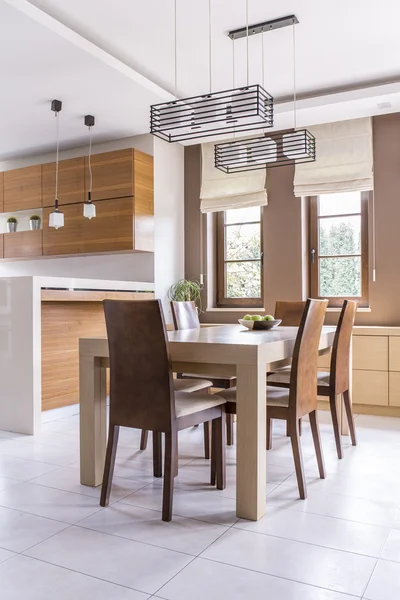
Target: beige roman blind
220, 191
344, 160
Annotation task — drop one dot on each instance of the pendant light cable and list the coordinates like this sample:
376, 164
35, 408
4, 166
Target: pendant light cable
210, 43
294, 78
247, 39
90, 162
175, 52
262, 60
57, 115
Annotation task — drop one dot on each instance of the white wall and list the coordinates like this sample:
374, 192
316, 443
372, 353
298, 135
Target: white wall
125, 267
169, 221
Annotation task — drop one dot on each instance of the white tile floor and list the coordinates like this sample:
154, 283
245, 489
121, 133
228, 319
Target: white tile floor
342, 543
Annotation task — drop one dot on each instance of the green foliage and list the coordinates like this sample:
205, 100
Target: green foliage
339, 276
34, 218
185, 290
243, 279
12, 220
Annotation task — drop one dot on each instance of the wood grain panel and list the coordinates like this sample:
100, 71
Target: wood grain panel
112, 229
144, 201
394, 353
371, 353
23, 188
394, 389
68, 239
1, 245
112, 174
1, 192
371, 387
71, 181
92, 296
60, 352
23, 244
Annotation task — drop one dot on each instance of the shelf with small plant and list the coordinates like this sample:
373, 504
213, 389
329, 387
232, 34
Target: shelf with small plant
22, 220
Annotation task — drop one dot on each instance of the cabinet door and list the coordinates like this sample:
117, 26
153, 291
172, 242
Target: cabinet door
371, 352
23, 244
1, 192
71, 181
1, 245
394, 353
112, 174
69, 239
23, 189
371, 387
112, 229
144, 201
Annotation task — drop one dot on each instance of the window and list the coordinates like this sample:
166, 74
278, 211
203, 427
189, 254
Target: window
339, 247
239, 251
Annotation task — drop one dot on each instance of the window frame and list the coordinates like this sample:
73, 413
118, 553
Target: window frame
337, 301
222, 300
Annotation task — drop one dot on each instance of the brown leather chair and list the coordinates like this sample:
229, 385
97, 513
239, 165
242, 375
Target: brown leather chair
142, 394
185, 316
335, 382
289, 312
300, 398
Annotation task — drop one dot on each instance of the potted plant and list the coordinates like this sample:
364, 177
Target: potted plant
185, 290
11, 224
34, 222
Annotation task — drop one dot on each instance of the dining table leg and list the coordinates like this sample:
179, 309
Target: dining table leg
93, 419
251, 487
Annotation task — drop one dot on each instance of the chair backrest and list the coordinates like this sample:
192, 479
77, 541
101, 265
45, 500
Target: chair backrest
340, 360
141, 384
185, 315
290, 312
303, 379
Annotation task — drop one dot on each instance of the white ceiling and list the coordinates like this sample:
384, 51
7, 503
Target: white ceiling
346, 44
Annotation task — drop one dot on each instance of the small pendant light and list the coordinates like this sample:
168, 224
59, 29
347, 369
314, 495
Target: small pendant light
89, 209
56, 218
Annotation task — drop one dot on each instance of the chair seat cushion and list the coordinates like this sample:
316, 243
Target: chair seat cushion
189, 403
275, 396
191, 385
283, 376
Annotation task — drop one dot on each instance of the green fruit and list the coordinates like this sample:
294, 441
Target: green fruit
269, 318
256, 318
247, 318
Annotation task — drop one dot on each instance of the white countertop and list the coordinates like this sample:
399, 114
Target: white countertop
86, 284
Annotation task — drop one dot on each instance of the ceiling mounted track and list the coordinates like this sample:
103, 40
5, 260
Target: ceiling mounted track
236, 34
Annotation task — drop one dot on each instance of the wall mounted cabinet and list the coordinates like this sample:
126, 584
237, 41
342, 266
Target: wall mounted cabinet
1, 192
22, 189
71, 181
23, 244
112, 174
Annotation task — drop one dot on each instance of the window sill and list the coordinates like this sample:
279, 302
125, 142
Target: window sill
359, 310
241, 310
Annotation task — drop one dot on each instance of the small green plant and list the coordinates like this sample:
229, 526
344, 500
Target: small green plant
185, 290
34, 218
12, 220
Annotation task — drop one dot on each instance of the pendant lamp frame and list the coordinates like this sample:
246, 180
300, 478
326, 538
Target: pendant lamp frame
89, 209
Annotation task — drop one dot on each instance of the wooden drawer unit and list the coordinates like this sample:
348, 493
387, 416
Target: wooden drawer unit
324, 361
371, 387
394, 388
23, 189
112, 174
71, 181
1, 192
1, 245
23, 244
371, 353
394, 353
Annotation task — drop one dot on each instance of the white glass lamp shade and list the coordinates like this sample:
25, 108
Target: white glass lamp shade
89, 210
296, 145
56, 219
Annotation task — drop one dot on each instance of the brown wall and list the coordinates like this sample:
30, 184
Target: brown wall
285, 216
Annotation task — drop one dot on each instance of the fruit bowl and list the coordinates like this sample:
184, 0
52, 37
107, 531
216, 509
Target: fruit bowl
260, 325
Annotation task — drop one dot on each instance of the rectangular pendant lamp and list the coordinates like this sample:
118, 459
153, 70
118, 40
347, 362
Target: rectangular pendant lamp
272, 150
237, 110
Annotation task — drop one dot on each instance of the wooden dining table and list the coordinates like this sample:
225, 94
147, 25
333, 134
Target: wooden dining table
224, 350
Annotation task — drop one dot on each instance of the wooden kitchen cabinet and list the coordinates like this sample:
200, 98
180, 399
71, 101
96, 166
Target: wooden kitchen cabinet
68, 239
371, 387
1, 192
71, 181
112, 174
23, 244
23, 189
371, 352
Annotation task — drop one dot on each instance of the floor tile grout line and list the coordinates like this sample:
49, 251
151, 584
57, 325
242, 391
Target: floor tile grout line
25, 512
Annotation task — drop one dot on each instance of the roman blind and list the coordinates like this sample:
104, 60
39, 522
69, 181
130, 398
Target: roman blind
221, 191
344, 160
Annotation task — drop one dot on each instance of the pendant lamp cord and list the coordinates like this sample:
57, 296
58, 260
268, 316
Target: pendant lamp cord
90, 162
247, 39
262, 60
57, 115
209, 43
294, 78
175, 52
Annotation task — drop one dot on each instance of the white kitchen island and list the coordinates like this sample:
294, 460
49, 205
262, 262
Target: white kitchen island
22, 302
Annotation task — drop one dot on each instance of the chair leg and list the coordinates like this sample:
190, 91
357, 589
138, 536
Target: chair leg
300, 427
219, 451
157, 454
317, 443
229, 430
169, 474
109, 464
207, 439
287, 429
350, 419
336, 426
269, 433
298, 459
213, 474
144, 439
